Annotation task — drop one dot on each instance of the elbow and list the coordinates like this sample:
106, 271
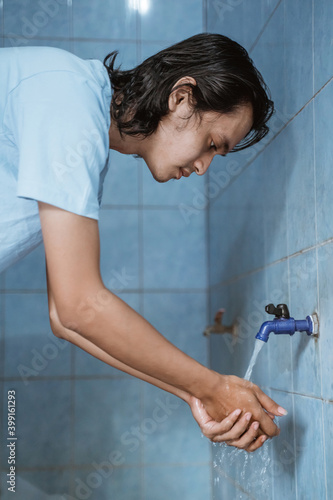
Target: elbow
60, 323
78, 312
56, 326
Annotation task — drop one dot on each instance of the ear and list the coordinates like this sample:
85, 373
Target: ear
180, 98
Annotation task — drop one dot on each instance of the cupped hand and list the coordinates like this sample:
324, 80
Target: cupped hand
232, 393
232, 430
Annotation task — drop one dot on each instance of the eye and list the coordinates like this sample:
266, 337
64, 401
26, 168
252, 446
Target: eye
212, 145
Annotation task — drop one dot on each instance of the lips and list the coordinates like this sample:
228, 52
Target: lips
184, 173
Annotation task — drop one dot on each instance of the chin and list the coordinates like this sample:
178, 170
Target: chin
160, 176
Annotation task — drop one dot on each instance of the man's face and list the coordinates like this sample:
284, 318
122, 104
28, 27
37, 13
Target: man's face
182, 146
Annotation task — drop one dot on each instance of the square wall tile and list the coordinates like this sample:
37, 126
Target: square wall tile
29, 19
274, 183
121, 185
224, 171
1, 22
170, 433
88, 365
108, 482
325, 270
114, 20
324, 160
298, 60
328, 438
222, 346
43, 423
300, 181
226, 18
236, 227
309, 444
184, 482
148, 49
181, 318
236, 19
94, 49
168, 20
303, 302
284, 454
26, 314
174, 252
115, 405
119, 235
323, 47
28, 273
253, 24
269, 57
31, 349
39, 485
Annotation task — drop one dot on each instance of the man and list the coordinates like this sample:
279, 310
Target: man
177, 110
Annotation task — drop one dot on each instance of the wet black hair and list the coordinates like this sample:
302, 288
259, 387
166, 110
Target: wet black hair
225, 79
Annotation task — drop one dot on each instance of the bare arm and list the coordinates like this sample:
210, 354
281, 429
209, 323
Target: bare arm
93, 313
230, 429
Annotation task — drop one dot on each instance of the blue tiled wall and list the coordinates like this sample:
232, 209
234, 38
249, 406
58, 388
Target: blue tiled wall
75, 414
271, 240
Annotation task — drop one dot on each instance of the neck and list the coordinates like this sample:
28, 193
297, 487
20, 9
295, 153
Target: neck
126, 144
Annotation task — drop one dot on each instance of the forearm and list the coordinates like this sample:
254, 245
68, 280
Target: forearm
98, 353
116, 330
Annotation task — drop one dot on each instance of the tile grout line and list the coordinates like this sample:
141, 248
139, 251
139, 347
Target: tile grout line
265, 26
278, 261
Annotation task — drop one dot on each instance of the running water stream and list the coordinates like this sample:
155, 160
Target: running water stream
257, 348
239, 473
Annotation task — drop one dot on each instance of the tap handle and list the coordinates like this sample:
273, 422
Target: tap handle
280, 311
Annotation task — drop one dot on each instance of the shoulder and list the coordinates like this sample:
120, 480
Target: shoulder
56, 66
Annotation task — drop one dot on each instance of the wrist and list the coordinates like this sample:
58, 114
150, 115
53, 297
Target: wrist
205, 389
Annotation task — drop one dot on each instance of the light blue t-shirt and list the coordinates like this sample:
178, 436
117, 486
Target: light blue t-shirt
54, 140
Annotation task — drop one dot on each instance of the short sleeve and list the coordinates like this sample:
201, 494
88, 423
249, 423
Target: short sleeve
59, 124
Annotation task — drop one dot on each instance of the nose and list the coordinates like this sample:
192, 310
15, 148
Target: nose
201, 165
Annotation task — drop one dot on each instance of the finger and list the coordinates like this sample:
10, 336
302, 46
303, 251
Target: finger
267, 426
256, 444
212, 428
236, 431
268, 404
226, 424
247, 439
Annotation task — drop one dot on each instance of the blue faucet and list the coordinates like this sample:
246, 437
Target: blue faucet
283, 323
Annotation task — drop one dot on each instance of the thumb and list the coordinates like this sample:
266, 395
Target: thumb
269, 405
199, 412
